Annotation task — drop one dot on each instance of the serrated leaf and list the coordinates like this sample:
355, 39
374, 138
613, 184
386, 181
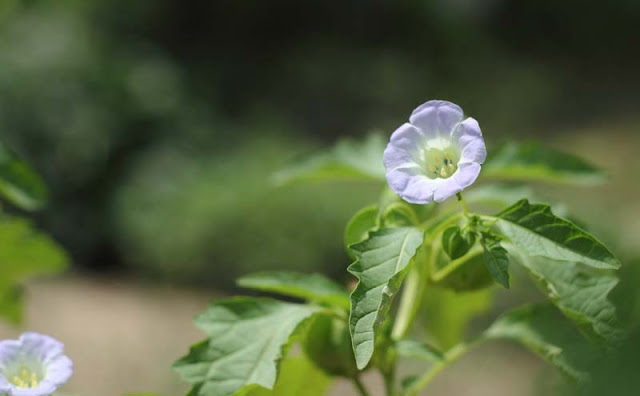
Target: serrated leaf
25, 253
541, 329
581, 293
347, 160
534, 162
298, 376
19, 184
312, 287
247, 339
418, 350
381, 265
536, 231
496, 260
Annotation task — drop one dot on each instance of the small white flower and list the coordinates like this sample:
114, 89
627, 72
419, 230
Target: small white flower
436, 155
33, 365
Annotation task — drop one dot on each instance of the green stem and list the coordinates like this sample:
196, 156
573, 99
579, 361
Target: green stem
465, 208
409, 304
450, 357
454, 264
360, 386
390, 381
416, 280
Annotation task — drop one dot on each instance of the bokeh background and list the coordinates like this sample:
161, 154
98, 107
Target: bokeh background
157, 126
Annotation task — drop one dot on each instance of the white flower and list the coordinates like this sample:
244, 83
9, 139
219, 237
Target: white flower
436, 155
33, 365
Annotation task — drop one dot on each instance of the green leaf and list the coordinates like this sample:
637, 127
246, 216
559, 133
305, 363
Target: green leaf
247, 339
534, 162
398, 214
541, 329
358, 228
328, 343
418, 350
18, 183
298, 377
312, 287
381, 265
495, 258
581, 293
536, 231
446, 313
25, 253
348, 160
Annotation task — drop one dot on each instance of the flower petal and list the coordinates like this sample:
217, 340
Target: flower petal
45, 388
4, 385
436, 117
474, 151
419, 190
395, 157
411, 185
466, 174
41, 346
446, 188
9, 349
466, 132
407, 137
59, 370
399, 178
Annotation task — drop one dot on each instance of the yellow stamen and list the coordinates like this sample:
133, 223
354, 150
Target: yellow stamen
27, 379
18, 382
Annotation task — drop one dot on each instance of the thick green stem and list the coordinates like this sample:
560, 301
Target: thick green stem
409, 304
360, 386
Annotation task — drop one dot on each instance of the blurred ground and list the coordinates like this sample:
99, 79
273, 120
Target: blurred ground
122, 336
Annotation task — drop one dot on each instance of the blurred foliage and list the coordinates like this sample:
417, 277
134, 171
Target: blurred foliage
158, 116
24, 252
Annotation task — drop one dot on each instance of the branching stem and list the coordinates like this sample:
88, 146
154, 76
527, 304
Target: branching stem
450, 357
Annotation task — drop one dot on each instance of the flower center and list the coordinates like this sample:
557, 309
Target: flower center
441, 163
25, 378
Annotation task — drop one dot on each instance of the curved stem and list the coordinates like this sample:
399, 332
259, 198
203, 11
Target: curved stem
360, 386
411, 297
465, 208
454, 264
450, 357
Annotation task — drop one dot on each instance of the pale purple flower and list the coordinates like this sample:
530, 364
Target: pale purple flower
33, 365
435, 155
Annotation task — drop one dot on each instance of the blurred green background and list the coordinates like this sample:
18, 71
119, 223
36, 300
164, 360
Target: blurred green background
158, 124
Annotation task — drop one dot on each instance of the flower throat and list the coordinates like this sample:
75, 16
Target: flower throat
440, 163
